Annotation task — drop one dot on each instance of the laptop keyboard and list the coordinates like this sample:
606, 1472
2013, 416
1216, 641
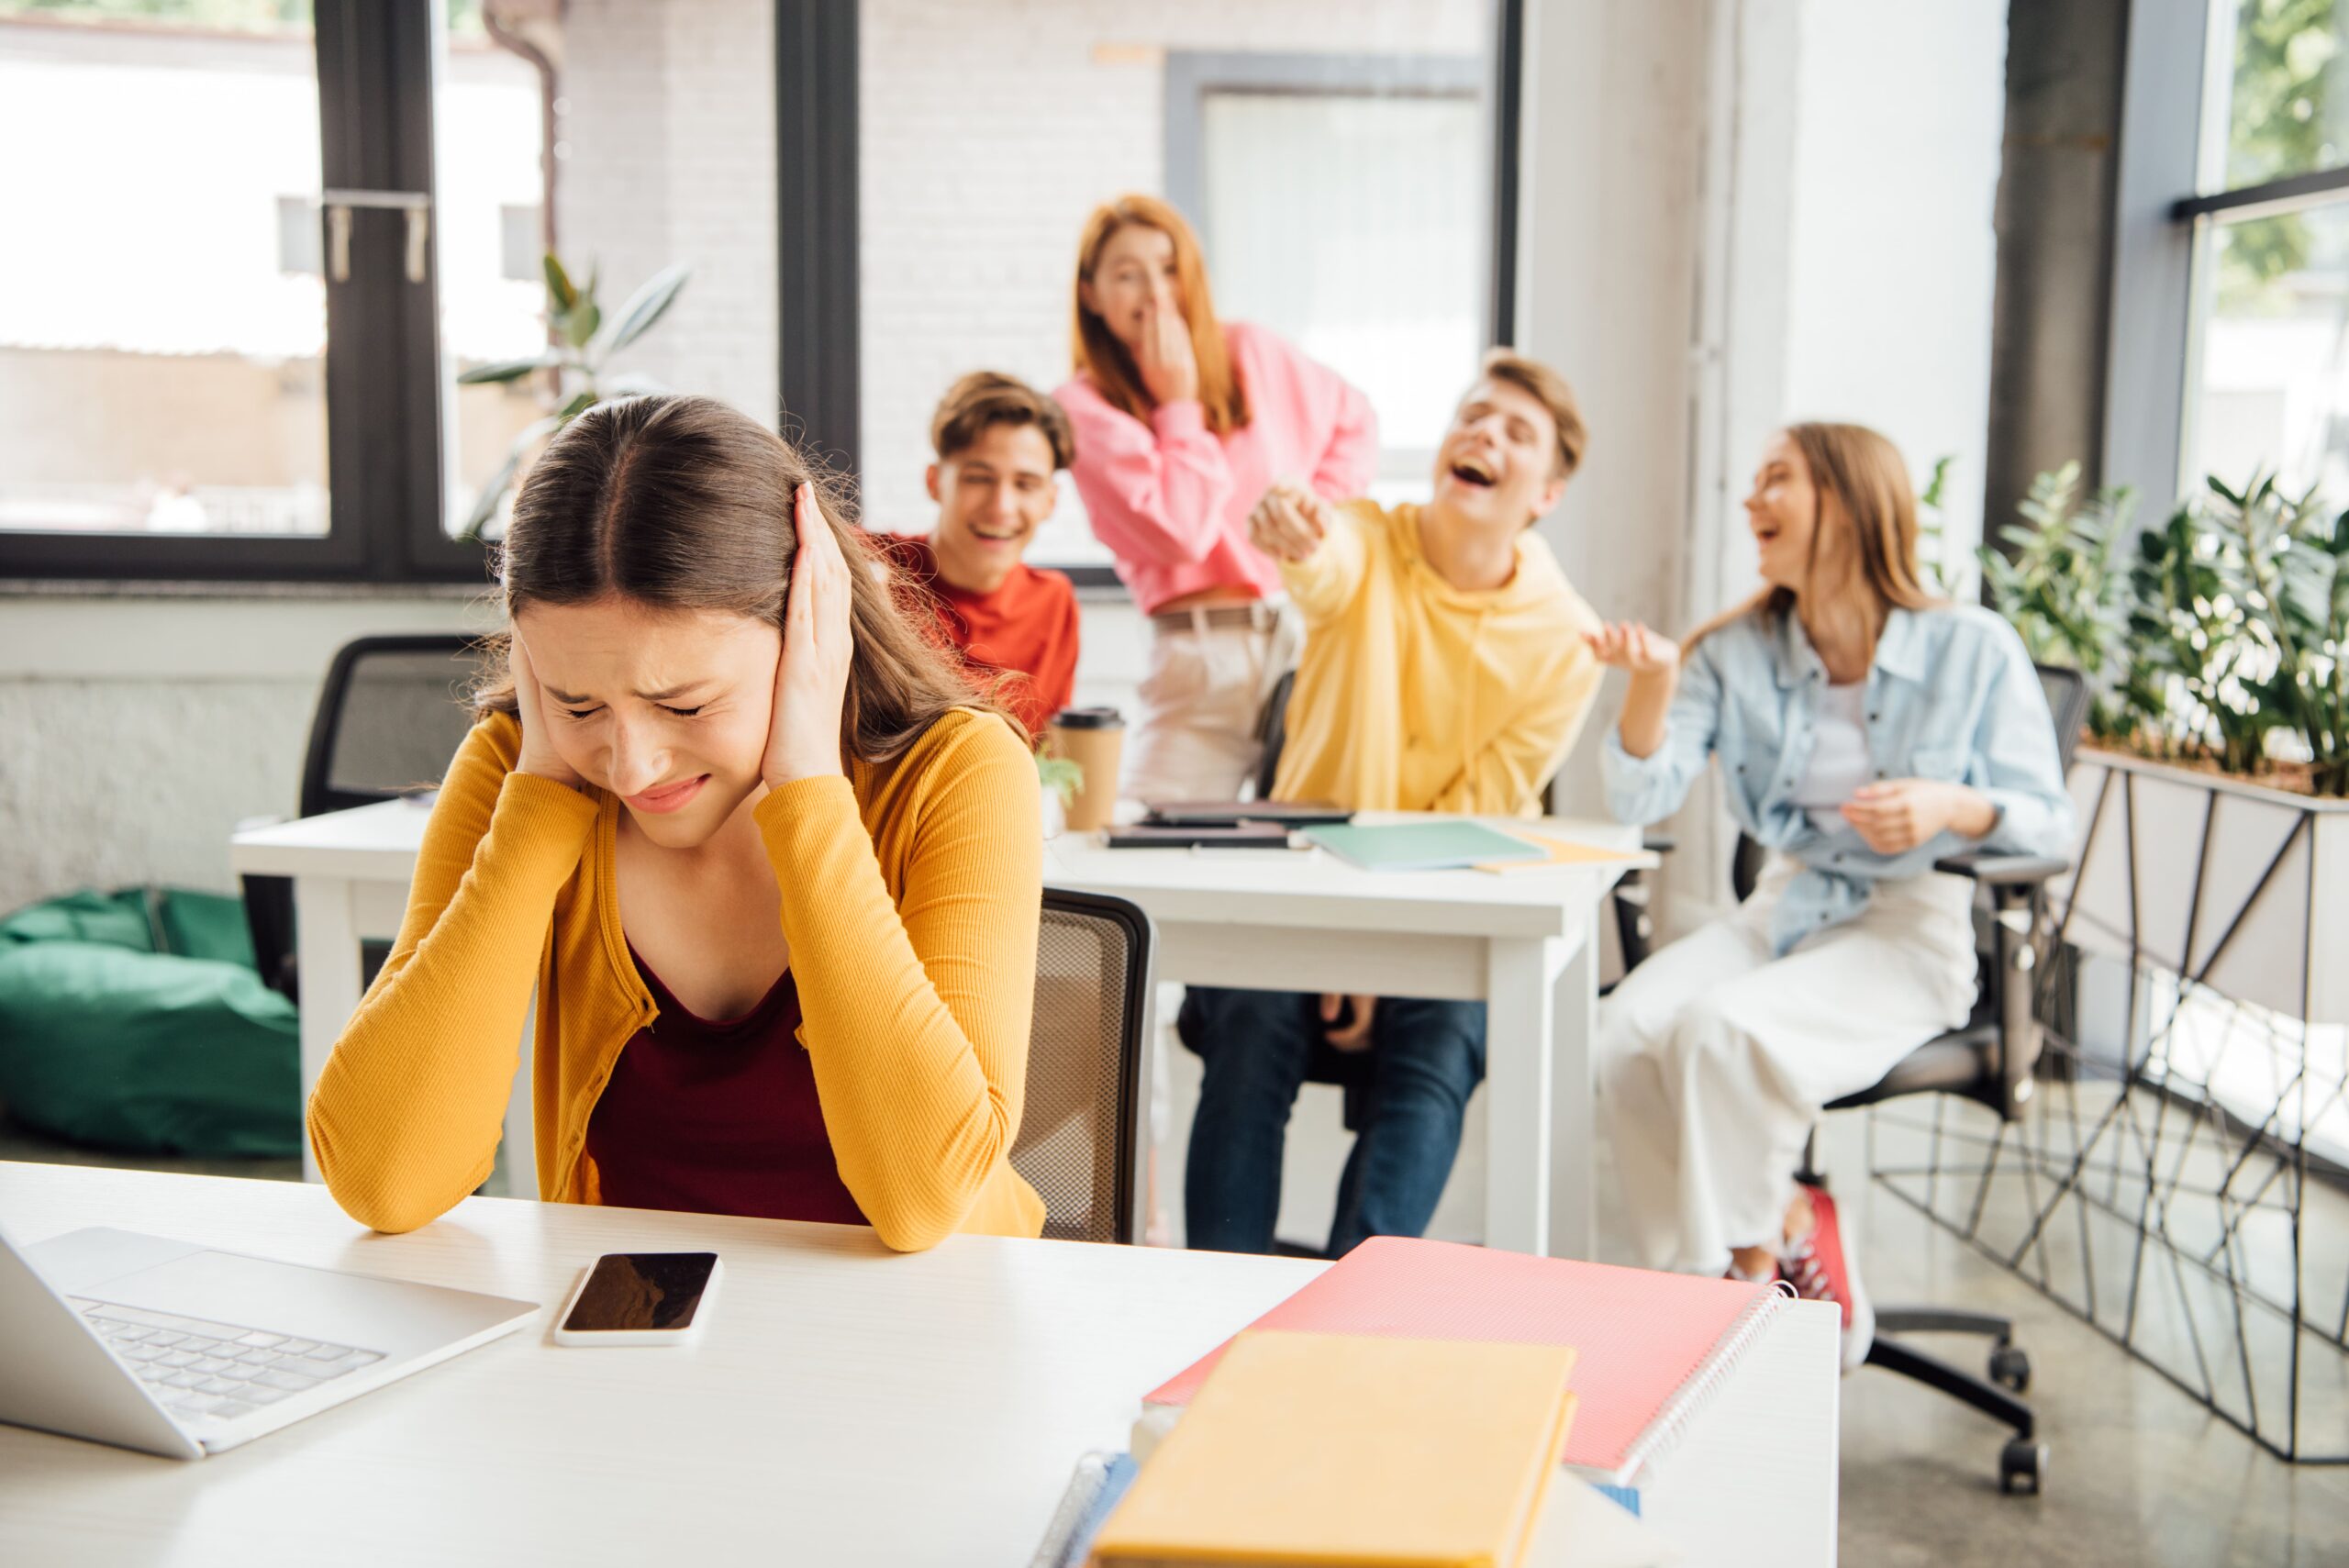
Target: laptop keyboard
216, 1371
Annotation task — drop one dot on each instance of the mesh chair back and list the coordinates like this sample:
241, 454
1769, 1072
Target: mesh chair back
2067, 704
1272, 730
1080, 1129
391, 712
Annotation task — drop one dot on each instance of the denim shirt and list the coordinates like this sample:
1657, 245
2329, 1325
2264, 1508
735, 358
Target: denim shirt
1952, 696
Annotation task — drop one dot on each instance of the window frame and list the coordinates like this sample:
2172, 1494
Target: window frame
381, 372
2170, 195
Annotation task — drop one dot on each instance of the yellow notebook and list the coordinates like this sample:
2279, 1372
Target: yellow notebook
1327, 1448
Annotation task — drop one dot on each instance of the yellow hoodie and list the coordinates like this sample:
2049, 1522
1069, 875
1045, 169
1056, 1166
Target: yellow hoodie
1415, 696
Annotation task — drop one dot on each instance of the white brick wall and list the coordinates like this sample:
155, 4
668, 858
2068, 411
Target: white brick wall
672, 135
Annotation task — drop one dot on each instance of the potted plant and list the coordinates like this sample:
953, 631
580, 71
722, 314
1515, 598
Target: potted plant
580, 347
2214, 795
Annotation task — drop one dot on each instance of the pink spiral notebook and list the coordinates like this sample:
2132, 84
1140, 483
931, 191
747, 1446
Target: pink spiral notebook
1652, 1346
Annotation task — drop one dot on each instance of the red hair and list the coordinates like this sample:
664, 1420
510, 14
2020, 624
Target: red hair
1099, 354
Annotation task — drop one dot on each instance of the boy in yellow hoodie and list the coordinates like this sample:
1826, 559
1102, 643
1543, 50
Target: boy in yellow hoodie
1444, 670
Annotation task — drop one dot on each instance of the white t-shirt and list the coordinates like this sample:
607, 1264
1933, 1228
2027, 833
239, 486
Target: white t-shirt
1839, 756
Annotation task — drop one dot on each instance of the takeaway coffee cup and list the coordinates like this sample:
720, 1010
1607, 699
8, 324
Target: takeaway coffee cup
1091, 737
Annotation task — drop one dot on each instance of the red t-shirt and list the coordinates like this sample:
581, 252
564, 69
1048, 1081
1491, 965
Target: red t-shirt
1028, 627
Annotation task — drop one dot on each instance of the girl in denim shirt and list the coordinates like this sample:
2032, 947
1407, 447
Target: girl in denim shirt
1865, 729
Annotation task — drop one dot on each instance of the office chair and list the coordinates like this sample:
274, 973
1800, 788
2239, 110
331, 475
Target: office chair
391, 712
1990, 1060
1080, 1144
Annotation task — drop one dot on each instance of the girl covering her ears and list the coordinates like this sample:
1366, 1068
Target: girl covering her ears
772, 870
1182, 423
1864, 728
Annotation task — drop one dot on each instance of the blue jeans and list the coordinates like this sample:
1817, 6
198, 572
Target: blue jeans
1426, 1058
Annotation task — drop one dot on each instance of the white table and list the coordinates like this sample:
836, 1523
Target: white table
1523, 943
846, 1407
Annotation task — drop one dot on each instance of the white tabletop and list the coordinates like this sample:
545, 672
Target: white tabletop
846, 1406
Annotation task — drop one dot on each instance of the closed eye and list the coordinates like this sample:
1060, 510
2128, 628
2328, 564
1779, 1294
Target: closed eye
682, 712
580, 712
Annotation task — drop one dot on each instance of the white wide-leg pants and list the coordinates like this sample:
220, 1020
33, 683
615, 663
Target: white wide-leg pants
1713, 1058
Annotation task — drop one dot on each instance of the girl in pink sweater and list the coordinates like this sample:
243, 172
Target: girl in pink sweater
1182, 424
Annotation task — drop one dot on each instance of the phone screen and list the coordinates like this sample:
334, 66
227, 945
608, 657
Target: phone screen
641, 1291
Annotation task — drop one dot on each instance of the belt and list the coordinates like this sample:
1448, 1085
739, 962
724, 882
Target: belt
1255, 616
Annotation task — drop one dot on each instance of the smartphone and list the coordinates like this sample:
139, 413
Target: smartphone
641, 1299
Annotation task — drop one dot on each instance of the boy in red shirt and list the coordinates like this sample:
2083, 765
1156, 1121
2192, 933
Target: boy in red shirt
1000, 444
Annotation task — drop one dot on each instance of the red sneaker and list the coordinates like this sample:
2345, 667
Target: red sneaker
1821, 1268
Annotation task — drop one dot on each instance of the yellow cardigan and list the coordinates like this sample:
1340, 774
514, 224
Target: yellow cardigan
911, 896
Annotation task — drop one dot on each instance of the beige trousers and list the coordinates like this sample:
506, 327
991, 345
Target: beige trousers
1202, 702
1713, 1058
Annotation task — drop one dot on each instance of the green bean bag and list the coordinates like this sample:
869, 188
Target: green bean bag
135, 1021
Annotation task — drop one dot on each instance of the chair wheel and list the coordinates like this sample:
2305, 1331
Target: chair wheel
2010, 1366
2022, 1466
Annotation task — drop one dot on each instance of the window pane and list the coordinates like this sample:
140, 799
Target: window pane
2275, 353
161, 351
1358, 223
2289, 108
487, 120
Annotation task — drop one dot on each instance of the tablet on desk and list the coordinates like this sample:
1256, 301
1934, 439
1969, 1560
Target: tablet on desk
1160, 836
1232, 813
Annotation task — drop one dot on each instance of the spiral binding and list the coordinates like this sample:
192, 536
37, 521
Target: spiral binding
1680, 1407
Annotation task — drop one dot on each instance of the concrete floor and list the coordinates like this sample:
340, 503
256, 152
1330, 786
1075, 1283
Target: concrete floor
2140, 1474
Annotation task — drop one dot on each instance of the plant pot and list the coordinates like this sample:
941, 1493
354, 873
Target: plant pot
2236, 885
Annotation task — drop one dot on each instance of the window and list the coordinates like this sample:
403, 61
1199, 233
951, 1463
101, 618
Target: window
299, 249
2268, 354
1341, 199
518, 244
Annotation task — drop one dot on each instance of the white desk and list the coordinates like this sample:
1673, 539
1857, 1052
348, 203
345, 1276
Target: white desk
1522, 943
846, 1407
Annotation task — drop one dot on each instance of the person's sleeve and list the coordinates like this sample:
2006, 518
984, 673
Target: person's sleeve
406, 1115
1155, 492
1648, 789
2020, 768
1350, 462
1508, 774
916, 1014
1326, 581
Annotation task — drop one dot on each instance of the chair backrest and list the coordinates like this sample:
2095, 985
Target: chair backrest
2067, 704
391, 712
1272, 729
1080, 1131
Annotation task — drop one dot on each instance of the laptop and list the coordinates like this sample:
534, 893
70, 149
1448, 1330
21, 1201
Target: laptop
178, 1349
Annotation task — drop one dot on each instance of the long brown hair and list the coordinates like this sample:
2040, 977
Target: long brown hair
686, 504
1100, 355
1862, 548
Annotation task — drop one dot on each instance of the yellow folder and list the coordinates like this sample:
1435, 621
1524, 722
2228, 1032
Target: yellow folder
1325, 1449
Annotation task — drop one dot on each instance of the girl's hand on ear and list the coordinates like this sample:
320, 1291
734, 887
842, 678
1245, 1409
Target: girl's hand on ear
538, 759
811, 678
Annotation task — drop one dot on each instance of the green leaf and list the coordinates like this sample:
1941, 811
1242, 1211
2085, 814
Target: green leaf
578, 325
645, 306
509, 370
559, 287
579, 404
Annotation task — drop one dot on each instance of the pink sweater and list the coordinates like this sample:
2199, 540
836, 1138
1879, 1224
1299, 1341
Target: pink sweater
1172, 501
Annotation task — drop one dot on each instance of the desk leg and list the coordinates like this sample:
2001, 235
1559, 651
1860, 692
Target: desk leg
1573, 1147
326, 948
1518, 1031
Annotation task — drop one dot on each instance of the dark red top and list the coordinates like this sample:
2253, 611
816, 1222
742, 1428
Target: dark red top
718, 1118
1026, 627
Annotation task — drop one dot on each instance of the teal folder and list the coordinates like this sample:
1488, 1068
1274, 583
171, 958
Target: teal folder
1422, 846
